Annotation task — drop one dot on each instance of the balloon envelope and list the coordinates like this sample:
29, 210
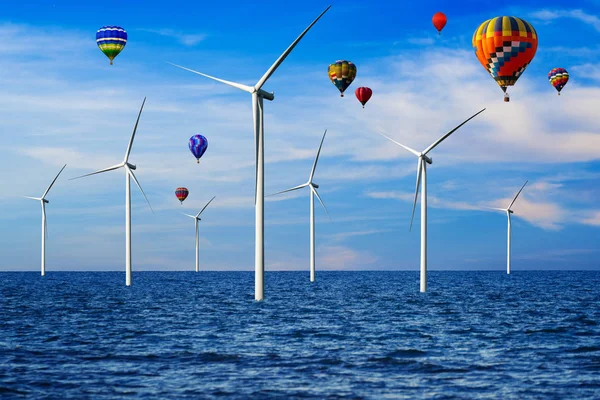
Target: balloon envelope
363, 94
439, 21
342, 73
558, 78
198, 145
182, 193
111, 40
505, 46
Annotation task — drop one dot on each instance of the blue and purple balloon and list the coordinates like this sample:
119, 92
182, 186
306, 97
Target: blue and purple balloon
198, 145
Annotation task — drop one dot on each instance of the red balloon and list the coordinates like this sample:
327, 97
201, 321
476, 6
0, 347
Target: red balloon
181, 193
363, 94
439, 21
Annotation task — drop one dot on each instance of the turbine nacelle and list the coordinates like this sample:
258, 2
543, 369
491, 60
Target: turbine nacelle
427, 159
510, 211
315, 185
46, 201
265, 95
131, 166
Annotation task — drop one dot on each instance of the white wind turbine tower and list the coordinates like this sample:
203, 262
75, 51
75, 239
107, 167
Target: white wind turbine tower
422, 176
196, 219
508, 212
313, 192
128, 173
43, 201
259, 194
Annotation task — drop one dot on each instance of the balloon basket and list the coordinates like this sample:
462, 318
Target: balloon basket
363, 106
559, 93
111, 62
506, 98
197, 161
342, 95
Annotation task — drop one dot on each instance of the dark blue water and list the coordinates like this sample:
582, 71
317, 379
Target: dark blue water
349, 335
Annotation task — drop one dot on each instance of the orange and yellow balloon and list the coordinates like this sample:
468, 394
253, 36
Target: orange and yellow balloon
505, 46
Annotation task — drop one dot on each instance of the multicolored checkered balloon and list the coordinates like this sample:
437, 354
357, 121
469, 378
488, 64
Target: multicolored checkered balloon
505, 46
558, 78
111, 40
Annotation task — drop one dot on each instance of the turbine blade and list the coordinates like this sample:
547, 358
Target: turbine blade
288, 190
245, 88
133, 134
188, 215
321, 201
416, 153
47, 190
282, 57
99, 172
515, 199
419, 169
130, 172
440, 140
495, 208
32, 198
312, 172
205, 206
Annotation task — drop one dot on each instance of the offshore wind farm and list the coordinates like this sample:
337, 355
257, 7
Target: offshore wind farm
369, 303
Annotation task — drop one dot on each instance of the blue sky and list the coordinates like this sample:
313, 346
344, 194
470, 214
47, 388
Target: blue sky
61, 102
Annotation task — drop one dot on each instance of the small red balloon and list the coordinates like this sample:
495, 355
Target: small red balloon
181, 193
439, 21
363, 94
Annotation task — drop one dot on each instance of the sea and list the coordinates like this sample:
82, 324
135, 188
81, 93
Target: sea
354, 335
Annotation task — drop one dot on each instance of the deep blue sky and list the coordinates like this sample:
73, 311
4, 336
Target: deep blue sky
62, 103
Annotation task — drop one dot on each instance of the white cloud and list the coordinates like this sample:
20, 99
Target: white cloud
183, 38
421, 41
580, 15
543, 214
338, 237
344, 258
592, 219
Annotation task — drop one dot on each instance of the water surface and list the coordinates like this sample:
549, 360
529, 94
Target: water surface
349, 335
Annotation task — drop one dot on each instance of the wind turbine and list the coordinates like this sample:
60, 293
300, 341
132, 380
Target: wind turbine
196, 219
508, 212
128, 173
43, 201
422, 176
313, 192
258, 94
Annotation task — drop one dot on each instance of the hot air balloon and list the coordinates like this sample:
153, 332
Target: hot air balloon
363, 94
558, 78
111, 40
439, 21
182, 193
198, 145
505, 46
342, 73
